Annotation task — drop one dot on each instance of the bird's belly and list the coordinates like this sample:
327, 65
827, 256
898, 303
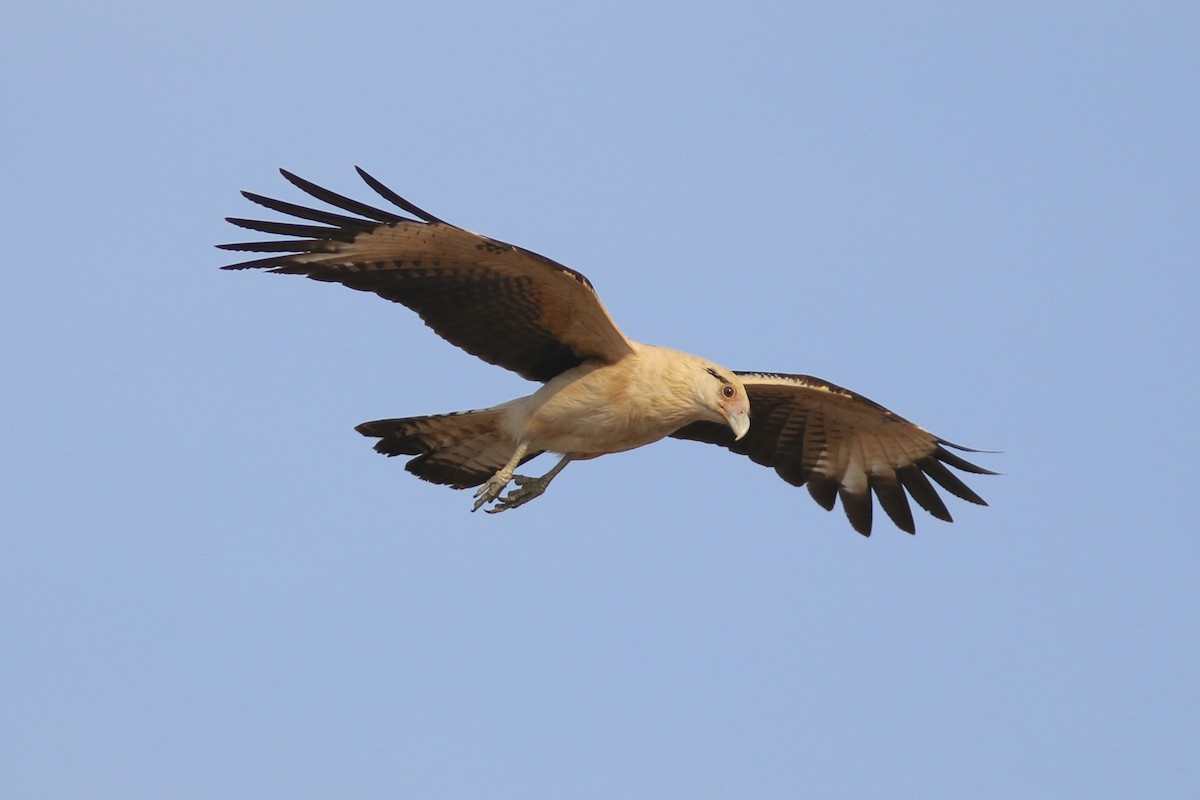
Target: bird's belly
581, 421
592, 431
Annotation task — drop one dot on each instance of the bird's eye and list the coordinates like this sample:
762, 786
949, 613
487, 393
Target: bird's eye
728, 391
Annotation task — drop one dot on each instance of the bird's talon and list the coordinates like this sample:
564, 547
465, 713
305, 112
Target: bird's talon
490, 490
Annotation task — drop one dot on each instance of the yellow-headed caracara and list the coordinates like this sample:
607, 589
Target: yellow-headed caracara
602, 392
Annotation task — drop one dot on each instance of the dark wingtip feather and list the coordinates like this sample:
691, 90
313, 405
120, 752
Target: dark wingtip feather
958, 462
392, 197
303, 212
966, 449
292, 229
293, 246
948, 480
339, 201
914, 480
257, 263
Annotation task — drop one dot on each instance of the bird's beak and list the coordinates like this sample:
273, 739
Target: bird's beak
739, 422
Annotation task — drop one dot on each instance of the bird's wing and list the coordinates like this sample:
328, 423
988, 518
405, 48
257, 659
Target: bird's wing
843, 445
506, 305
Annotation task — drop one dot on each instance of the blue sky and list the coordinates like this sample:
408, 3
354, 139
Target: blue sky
984, 216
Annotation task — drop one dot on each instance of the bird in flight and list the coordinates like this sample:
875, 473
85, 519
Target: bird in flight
601, 392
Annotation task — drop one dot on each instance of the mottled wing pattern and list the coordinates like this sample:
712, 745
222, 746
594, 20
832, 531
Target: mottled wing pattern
506, 305
842, 445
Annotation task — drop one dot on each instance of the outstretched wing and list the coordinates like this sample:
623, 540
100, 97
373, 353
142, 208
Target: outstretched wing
506, 305
843, 445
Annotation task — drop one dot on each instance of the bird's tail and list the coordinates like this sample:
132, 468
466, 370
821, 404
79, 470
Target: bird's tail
461, 450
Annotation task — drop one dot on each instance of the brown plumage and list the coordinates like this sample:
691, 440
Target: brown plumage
603, 392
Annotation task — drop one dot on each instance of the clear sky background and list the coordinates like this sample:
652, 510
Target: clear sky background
984, 215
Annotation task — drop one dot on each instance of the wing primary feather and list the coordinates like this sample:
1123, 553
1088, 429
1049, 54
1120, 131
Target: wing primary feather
327, 217
342, 202
284, 246
959, 462
948, 480
292, 229
912, 479
392, 197
966, 449
257, 263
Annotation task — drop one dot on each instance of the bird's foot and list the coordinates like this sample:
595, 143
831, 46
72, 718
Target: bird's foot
491, 489
530, 488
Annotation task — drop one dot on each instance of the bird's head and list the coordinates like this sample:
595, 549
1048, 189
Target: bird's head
723, 393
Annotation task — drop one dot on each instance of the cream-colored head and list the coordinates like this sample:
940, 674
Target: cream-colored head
721, 392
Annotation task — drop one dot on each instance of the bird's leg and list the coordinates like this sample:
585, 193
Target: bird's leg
494, 485
530, 488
